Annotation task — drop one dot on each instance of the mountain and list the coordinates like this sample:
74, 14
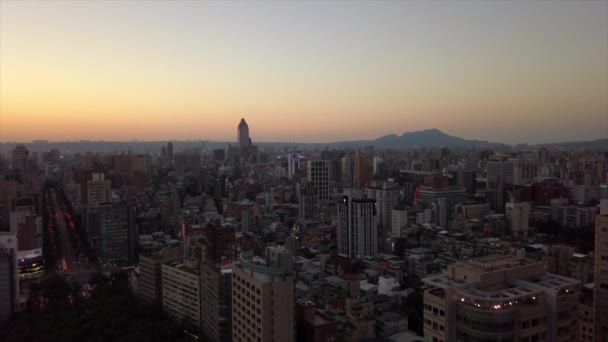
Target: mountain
430, 138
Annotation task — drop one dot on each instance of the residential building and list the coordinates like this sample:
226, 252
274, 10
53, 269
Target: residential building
518, 217
500, 298
98, 190
216, 301
357, 228
262, 302
181, 288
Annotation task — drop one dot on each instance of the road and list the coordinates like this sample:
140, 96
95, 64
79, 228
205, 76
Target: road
74, 263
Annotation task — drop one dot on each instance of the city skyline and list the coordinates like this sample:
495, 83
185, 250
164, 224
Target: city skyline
506, 72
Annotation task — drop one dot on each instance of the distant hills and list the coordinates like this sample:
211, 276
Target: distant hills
429, 138
425, 138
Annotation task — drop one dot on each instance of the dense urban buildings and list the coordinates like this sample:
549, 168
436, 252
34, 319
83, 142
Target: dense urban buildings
290, 243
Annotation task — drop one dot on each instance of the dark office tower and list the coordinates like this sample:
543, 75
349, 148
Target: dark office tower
499, 175
319, 173
470, 181
170, 149
115, 236
363, 171
243, 135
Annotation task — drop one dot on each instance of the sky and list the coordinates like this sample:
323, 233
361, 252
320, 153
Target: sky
503, 71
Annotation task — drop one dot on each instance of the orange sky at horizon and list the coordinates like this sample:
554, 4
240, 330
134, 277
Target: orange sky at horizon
302, 72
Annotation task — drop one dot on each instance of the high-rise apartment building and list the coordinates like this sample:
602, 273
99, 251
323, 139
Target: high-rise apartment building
518, 217
262, 302
357, 228
387, 198
500, 298
318, 175
363, 170
98, 190
182, 292
347, 171
149, 283
216, 301
601, 274
398, 221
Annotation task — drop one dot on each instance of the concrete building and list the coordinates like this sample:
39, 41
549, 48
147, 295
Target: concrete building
315, 325
262, 302
357, 228
347, 170
216, 301
98, 190
399, 220
318, 175
518, 217
585, 314
387, 198
149, 283
500, 298
115, 239
601, 274
20, 159
499, 174
182, 292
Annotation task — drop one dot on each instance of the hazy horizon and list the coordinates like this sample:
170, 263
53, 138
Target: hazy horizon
506, 72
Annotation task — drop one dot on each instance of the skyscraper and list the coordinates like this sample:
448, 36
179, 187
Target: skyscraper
357, 228
243, 138
363, 170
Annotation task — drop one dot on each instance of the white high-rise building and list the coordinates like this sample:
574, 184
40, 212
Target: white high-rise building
357, 228
98, 190
387, 199
518, 216
318, 176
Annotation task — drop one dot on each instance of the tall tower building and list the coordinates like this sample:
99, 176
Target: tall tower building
347, 171
262, 301
318, 175
499, 174
242, 133
500, 298
363, 170
601, 274
357, 228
